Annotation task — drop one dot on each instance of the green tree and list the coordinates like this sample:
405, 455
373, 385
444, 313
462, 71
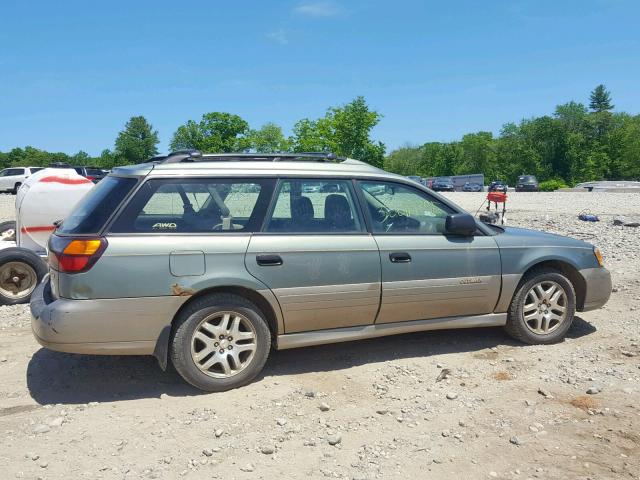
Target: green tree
600, 99
344, 131
215, 133
479, 155
405, 160
268, 139
137, 142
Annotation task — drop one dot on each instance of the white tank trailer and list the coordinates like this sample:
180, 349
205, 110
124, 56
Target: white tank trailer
44, 198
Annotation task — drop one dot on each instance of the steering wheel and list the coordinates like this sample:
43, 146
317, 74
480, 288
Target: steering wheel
388, 217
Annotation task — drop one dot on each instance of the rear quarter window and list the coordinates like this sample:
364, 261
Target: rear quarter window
206, 205
93, 211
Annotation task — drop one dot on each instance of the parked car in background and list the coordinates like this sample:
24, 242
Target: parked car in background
12, 178
443, 184
527, 183
498, 186
92, 173
472, 187
415, 178
175, 259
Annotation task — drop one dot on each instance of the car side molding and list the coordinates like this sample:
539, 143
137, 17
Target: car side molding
335, 335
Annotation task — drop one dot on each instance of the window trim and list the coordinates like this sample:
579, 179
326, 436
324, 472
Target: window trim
268, 182
420, 192
349, 181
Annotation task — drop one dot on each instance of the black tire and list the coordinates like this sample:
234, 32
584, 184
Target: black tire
516, 325
189, 319
15, 188
5, 227
26, 261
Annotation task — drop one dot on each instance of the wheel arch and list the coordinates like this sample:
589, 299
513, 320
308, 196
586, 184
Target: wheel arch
566, 268
263, 299
511, 282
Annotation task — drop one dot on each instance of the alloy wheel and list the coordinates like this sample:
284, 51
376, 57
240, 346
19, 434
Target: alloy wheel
545, 307
223, 344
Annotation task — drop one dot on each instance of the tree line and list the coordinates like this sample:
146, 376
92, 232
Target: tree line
576, 143
343, 130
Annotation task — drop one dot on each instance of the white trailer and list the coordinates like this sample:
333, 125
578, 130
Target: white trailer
44, 198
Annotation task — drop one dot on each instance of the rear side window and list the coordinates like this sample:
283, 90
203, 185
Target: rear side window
196, 206
315, 206
90, 215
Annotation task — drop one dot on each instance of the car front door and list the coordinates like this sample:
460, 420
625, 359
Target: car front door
425, 272
316, 256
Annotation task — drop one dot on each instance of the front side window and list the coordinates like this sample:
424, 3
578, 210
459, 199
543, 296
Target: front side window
195, 206
314, 206
396, 208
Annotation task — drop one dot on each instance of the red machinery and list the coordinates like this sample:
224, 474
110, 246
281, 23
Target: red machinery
496, 198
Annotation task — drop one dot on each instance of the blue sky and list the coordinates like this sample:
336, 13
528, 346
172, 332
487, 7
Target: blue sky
72, 73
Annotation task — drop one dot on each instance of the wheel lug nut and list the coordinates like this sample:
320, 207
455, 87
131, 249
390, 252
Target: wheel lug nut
230, 347
230, 338
216, 344
221, 350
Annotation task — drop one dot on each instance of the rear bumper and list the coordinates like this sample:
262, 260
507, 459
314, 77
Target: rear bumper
124, 326
598, 282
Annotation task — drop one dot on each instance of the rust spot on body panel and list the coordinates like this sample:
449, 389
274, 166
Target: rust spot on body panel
181, 291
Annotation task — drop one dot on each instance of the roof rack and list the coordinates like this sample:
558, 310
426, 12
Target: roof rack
184, 156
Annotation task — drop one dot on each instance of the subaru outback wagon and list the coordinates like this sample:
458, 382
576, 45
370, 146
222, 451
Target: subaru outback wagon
209, 261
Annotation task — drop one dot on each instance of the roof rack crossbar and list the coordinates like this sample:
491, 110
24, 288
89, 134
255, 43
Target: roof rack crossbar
182, 156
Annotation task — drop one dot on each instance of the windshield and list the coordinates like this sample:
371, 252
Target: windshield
90, 215
527, 179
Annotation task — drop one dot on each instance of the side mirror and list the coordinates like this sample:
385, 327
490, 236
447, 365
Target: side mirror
460, 224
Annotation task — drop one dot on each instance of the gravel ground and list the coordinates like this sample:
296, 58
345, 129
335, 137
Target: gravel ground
463, 404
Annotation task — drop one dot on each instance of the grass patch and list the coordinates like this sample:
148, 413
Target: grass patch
501, 375
585, 402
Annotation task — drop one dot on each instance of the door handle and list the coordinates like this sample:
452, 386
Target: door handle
269, 260
400, 257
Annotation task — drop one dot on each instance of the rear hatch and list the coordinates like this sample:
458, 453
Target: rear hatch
84, 226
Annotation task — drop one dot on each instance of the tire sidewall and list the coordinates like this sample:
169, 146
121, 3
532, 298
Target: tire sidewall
517, 312
181, 346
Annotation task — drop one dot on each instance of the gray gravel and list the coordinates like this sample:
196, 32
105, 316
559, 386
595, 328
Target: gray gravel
516, 412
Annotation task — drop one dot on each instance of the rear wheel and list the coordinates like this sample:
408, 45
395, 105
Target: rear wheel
220, 342
542, 308
21, 271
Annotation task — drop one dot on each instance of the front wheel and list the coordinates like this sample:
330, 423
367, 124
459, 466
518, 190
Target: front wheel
16, 187
542, 308
220, 342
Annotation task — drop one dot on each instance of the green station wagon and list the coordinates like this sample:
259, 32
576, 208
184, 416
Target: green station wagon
209, 261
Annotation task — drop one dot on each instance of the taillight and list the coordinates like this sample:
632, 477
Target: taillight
75, 255
89, 177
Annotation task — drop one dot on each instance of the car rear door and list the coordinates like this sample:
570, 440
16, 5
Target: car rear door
316, 256
425, 272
